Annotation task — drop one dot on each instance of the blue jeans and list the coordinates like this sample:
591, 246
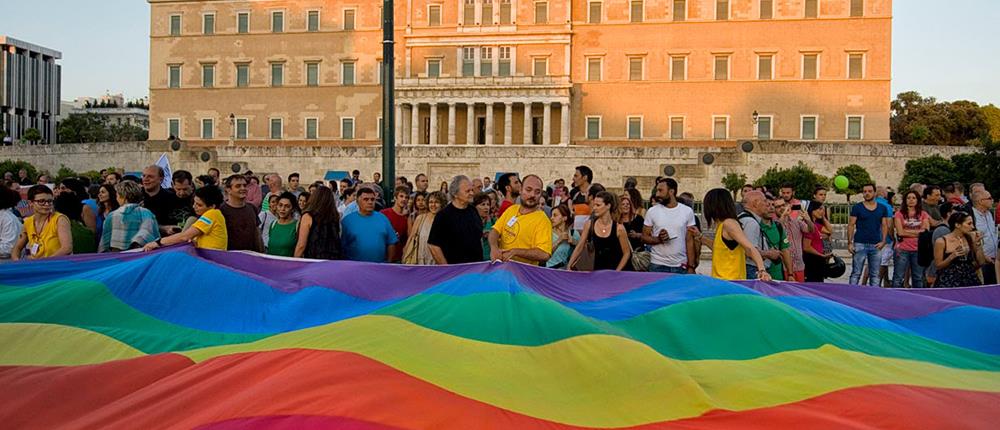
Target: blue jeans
667, 269
751, 272
908, 259
865, 252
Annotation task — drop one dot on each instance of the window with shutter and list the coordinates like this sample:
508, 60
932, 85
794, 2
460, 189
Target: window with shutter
765, 67
678, 68
635, 68
722, 67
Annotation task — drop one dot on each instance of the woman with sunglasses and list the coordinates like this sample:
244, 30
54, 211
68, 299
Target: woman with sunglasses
46, 232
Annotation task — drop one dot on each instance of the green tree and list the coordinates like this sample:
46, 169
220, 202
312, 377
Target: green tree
987, 166
84, 128
918, 120
734, 181
15, 166
801, 177
928, 170
127, 133
992, 114
32, 135
857, 177
966, 167
93, 175
65, 172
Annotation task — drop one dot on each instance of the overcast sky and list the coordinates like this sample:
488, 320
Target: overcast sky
948, 52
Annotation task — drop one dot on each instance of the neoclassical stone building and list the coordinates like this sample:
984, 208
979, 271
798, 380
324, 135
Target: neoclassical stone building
516, 72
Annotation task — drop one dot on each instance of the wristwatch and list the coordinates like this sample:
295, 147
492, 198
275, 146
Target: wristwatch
158, 243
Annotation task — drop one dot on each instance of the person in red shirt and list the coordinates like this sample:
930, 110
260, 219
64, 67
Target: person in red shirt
510, 186
398, 217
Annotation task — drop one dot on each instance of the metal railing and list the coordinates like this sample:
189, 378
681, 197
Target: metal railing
478, 81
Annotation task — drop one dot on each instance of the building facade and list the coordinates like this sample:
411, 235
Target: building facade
514, 72
30, 85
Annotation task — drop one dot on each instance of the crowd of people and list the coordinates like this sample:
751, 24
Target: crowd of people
936, 236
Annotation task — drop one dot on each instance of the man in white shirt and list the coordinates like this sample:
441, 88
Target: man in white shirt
666, 229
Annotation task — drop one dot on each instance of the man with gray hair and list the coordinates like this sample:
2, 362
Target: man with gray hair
982, 213
130, 226
756, 208
274, 188
457, 231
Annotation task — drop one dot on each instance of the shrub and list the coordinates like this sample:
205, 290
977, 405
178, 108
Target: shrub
801, 177
15, 166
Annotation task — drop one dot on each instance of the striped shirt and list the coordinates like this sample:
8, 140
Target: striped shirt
127, 227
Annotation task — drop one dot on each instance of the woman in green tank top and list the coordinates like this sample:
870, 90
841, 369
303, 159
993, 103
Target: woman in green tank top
282, 233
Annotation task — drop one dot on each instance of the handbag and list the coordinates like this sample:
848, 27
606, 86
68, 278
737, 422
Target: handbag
586, 261
411, 249
641, 260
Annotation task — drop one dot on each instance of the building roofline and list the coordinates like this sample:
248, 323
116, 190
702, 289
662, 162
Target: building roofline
7, 40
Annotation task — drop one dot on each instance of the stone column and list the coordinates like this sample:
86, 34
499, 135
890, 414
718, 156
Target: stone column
433, 140
527, 123
470, 123
547, 124
451, 123
508, 114
564, 133
489, 123
399, 124
415, 124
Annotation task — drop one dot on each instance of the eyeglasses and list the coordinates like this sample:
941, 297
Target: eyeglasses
43, 202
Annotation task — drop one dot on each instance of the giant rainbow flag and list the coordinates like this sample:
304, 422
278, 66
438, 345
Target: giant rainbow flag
185, 338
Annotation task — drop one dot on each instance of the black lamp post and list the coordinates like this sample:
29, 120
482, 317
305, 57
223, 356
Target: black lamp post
232, 128
756, 118
388, 100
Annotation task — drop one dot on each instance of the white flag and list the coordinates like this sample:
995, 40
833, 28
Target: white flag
164, 164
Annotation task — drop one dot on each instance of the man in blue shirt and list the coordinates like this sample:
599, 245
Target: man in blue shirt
367, 235
867, 232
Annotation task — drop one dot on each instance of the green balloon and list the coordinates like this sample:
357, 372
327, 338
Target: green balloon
841, 182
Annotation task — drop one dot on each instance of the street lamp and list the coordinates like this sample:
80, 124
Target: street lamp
232, 128
388, 102
756, 117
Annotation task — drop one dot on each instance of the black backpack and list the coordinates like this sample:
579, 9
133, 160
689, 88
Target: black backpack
925, 247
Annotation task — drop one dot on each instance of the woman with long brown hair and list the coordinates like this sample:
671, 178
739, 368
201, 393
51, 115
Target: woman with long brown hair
630, 217
319, 227
957, 255
107, 201
612, 250
910, 221
564, 238
416, 250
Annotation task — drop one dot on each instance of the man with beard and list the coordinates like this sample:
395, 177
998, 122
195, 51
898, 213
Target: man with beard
523, 233
183, 186
867, 232
666, 230
510, 186
241, 218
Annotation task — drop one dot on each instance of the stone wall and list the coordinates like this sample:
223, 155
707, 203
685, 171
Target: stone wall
611, 164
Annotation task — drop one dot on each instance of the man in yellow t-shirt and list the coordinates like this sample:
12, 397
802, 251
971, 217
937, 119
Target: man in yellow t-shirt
523, 233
